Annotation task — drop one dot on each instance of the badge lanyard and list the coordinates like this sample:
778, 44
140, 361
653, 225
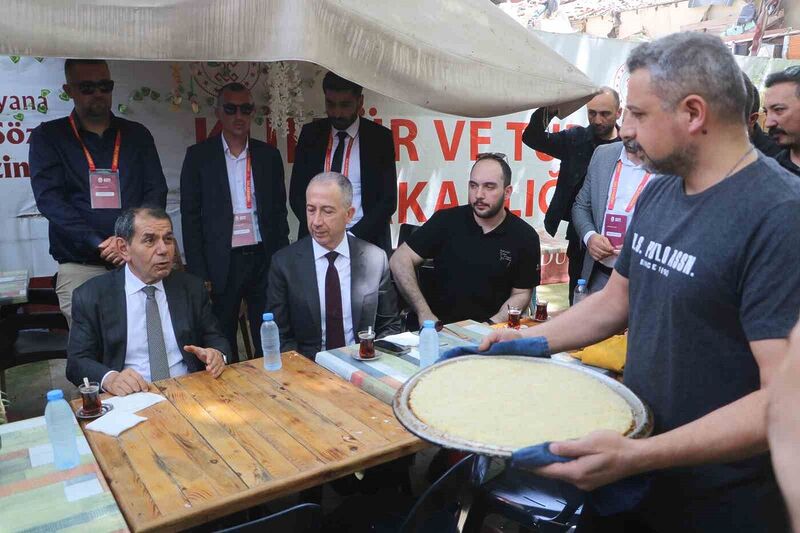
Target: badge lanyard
615, 185
248, 183
89, 159
328, 157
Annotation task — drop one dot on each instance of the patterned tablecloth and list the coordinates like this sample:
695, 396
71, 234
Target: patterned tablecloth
382, 377
34, 496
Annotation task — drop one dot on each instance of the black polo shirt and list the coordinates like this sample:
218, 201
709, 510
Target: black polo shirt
785, 160
475, 271
60, 182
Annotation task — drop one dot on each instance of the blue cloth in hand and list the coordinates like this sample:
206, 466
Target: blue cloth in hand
533, 346
614, 498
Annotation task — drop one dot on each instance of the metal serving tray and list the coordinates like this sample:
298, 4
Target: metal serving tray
642, 417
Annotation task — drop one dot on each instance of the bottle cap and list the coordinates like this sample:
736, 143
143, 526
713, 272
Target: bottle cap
55, 394
267, 317
429, 324
581, 281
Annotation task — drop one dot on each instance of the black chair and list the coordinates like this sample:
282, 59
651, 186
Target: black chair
425, 278
29, 337
447, 501
303, 518
535, 503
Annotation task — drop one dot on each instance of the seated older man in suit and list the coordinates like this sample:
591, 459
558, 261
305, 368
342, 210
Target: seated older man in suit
143, 322
328, 286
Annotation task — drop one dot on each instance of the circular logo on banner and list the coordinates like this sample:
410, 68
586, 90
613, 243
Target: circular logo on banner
620, 84
212, 76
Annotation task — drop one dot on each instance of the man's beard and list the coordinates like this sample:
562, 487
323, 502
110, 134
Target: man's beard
97, 109
632, 146
602, 131
680, 162
343, 123
790, 141
493, 210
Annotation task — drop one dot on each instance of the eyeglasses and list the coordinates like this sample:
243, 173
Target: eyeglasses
497, 156
244, 109
90, 87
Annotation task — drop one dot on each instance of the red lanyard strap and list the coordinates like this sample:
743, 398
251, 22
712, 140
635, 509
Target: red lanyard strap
248, 186
615, 185
329, 150
89, 159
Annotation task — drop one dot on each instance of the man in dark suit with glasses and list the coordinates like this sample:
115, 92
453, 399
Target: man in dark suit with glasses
233, 214
87, 168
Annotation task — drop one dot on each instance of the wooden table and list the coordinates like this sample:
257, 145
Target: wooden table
220, 446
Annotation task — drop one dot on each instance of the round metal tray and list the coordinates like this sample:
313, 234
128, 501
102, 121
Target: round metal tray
642, 417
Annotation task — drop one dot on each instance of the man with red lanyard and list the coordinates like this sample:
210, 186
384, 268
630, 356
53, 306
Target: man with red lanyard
604, 207
85, 170
356, 147
233, 215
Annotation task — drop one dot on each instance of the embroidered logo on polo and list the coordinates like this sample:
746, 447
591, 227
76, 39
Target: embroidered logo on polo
662, 258
505, 255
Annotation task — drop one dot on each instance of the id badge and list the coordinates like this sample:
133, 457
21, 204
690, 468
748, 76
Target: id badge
614, 229
104, 189
243, 230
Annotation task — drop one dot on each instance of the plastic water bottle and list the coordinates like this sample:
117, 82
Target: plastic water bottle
61, 429
270, 343
428, 344
581, 292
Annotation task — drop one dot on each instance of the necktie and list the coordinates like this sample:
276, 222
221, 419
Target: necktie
338, 154
334, 324
159, 367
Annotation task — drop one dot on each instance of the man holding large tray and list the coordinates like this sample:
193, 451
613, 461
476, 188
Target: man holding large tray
704, 287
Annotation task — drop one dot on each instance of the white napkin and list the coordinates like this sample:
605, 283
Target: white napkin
404, 339
133, 402
115, 422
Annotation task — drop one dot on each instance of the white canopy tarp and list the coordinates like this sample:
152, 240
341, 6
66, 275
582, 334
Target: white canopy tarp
463, 57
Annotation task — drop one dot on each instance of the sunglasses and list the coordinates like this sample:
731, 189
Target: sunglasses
244, 109
497, 156
90, 87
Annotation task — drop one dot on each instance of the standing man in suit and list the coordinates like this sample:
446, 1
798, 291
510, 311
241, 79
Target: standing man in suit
328, 286
356, 147
604, 207
233, 214
85, 169
144, 322
574, 147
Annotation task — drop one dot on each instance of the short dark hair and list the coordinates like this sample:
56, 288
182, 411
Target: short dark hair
334, 82
614, 94
69, 63
233, 87
125, 226
501, 160
788, 75
753, 98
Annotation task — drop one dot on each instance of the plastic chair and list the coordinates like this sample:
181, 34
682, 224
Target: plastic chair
534, 502
303, 518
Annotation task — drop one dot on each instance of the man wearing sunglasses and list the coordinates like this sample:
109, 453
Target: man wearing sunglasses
85, 170
356, 147
782, 105
233, 214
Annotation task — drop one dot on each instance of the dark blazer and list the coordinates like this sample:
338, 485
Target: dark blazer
207, 210
574, 147
99, 333
378, 177
293, 295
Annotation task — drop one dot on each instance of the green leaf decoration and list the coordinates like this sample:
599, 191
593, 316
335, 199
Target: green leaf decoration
19, 116
14, 59
122, 109
137, 95
155, 95
145, 91
181, 90
42, 108
213, 63
63, 96
210, 100
39, 59
45, 93
259, 120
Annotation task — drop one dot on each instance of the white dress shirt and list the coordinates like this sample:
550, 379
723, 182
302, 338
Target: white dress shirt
629, 179
137, 355
342, 265
237, 174
354, 170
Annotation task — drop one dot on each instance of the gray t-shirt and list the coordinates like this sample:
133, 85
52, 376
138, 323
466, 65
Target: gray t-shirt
708, 273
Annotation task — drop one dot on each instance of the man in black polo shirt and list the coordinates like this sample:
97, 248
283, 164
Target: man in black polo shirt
85, 170
485, 258
782, 104
574, 147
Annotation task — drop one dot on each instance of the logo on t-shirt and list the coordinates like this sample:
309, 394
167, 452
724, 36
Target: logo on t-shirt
662, 259
505, 256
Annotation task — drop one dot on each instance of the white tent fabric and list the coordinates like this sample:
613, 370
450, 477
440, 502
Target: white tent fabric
464, 57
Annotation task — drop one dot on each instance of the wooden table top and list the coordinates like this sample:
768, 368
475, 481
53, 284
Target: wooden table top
220, 446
